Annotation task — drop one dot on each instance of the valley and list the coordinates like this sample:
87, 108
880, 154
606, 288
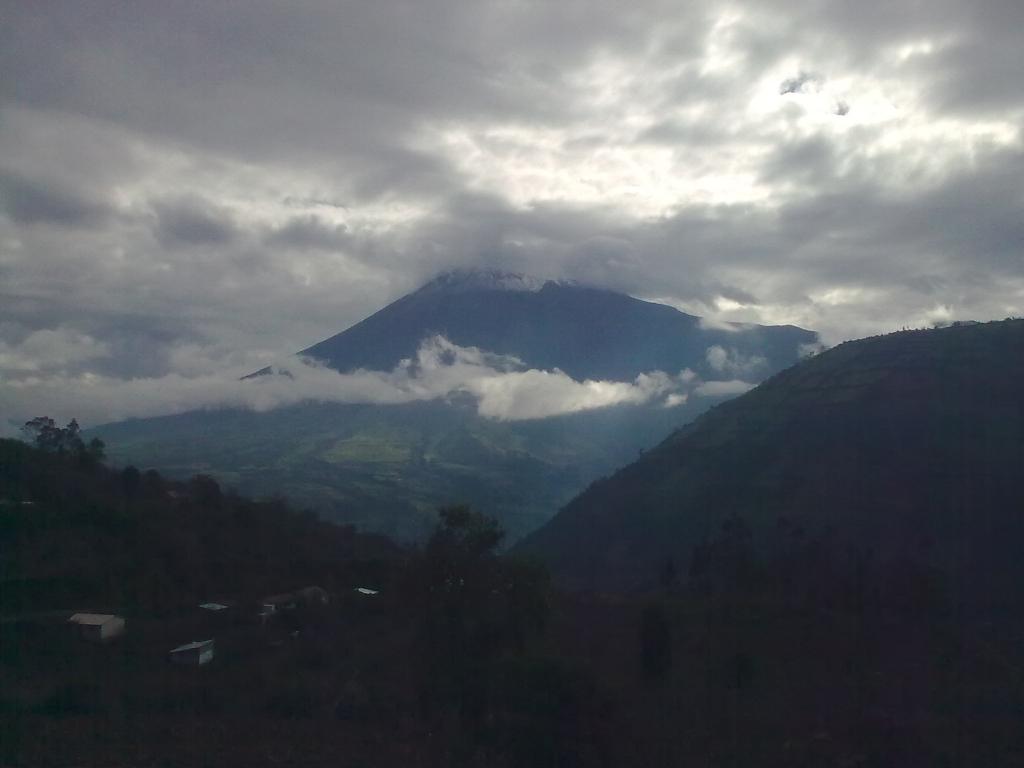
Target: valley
386, 468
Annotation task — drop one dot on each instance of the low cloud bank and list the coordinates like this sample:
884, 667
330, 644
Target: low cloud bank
502, 386
723, 388
731, 361
48, 350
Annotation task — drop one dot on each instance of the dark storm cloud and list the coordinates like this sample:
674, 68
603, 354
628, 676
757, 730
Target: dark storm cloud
335, 82
974, 59
976, 218
188, 186
690, 133
192, 221
796, 84
811, 161
309, 232
27, 201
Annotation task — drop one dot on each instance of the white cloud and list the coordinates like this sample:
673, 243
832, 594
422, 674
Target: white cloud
50, 349
810, 349
502, 388
723, 388
716, 357
675, 399
713, 323
733, 362
211, 187
537, 394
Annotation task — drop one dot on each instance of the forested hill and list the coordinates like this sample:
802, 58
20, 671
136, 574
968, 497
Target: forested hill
74, 532
905, 446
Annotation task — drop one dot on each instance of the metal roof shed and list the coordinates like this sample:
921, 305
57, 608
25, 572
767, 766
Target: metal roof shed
193, 654
98, 627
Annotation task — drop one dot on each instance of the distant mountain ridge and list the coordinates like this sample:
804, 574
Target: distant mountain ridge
909, 445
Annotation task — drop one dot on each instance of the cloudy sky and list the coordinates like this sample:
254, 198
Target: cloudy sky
195, 187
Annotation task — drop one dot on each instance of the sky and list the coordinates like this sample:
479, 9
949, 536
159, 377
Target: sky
193, 189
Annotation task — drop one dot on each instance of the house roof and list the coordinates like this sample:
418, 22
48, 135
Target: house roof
214, 606
194, 645
92, 619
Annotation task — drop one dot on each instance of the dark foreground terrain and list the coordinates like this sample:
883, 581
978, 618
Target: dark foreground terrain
463, 657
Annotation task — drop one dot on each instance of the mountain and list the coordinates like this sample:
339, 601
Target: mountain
387, 467
589, 333
901, 448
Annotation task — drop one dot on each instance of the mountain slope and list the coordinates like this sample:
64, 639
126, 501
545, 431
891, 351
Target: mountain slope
589, 333
904, 446
387, 467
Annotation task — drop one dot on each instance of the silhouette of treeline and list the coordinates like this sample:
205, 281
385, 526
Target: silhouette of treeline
797, 653
75, 532
442, 662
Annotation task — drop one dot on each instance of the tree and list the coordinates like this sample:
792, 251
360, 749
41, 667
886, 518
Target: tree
131, 479
655, 642
474, 608
43, 433
153, 484
667, 574
96, 450
206, 491
727, 563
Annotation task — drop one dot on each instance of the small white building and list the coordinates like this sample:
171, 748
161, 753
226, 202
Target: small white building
98, 627
214, 607
193, 654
